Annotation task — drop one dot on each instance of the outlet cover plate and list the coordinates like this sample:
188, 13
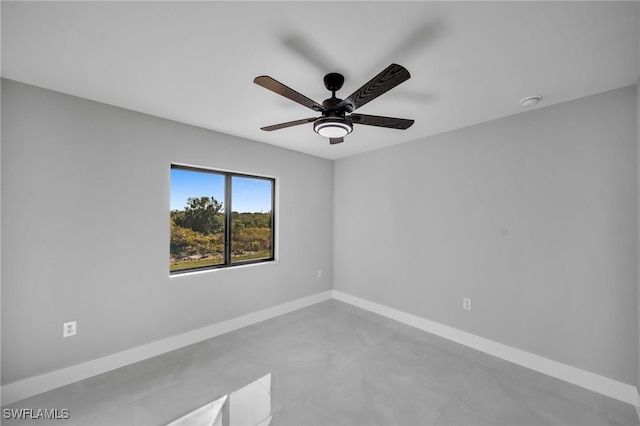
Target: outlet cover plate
466, 303
70, 328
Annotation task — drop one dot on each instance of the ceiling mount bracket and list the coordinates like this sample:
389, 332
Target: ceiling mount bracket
333, 82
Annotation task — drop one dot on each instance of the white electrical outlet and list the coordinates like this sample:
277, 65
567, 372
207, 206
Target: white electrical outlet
466, 303
319, 273
70, 328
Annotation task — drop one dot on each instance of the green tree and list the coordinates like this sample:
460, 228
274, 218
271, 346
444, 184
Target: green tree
202, 215
251, 220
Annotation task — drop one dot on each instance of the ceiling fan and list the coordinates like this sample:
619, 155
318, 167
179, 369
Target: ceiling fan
337, 118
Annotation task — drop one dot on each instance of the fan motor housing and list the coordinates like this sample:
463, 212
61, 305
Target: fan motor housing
331, 104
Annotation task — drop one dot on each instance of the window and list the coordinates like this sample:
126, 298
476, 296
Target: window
219, 219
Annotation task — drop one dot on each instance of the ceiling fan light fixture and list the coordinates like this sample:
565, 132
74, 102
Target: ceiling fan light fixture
332, 128
336, 120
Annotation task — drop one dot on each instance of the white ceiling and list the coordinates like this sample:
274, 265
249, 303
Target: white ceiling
195, 62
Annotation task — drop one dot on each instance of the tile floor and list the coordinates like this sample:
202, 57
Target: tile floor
332, 364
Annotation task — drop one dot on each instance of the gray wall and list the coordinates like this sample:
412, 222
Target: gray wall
533, 216
85, 230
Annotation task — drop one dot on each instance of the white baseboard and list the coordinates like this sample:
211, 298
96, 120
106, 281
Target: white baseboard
586, 379
26, 388
637, 404
16, 391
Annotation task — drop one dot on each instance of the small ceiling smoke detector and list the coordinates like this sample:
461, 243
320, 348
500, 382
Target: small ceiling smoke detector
531, 101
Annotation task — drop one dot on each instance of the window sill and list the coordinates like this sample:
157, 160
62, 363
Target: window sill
217, 270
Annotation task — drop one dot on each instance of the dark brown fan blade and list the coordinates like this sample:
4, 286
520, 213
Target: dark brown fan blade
289, 124
279, 88
334, 141
393, 75
376, 120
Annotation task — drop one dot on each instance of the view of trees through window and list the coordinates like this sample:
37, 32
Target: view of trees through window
205, 232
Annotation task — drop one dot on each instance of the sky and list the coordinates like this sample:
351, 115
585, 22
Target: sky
248, 194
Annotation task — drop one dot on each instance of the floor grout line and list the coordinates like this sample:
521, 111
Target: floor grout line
464, 379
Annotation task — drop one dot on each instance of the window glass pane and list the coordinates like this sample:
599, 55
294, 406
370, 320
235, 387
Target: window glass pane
197, 219
251, 218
